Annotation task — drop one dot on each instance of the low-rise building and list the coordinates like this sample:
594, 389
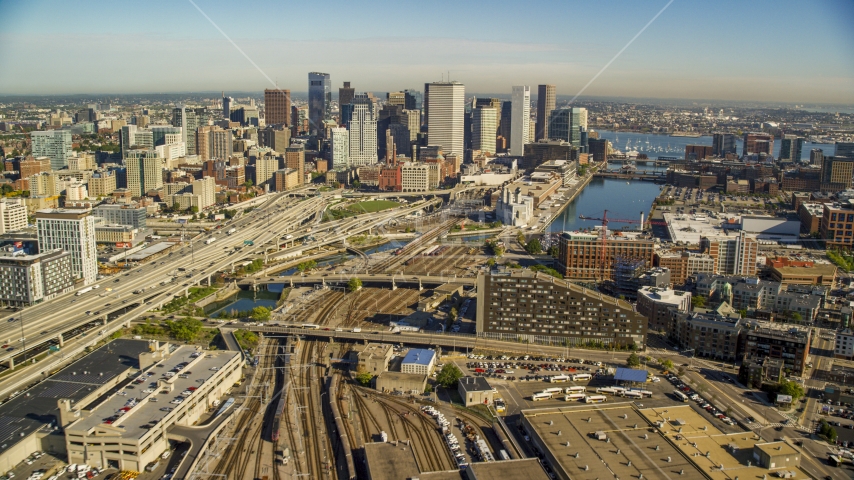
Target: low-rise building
115, 233
475, 391
127, 429
419, 361
401, 382
776, 455
786, 342
844, 347
656, 305
684, 264
710, 334
13, 216
374, 358
796, 272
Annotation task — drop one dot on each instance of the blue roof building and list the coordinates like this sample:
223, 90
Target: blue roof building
418, 360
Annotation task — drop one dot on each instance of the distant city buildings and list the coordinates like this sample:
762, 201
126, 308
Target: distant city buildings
521, 119
546, 97
319, 100
445, 115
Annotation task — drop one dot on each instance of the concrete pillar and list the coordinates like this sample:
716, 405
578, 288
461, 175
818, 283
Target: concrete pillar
393, 285
11, 363
420, 287
60, 340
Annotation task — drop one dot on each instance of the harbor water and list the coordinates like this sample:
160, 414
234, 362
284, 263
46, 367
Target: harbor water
623, 199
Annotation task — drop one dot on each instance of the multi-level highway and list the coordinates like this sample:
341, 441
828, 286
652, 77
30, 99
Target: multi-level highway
159, 281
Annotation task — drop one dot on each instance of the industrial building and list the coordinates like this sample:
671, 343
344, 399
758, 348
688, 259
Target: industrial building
374, 357
419, 361
475, 391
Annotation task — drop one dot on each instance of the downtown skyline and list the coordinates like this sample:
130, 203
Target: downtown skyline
689, 51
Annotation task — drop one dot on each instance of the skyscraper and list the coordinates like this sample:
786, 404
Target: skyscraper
446, 122
340, 148
74, 232
345, 96
363, 132
791, 147
546, 96
144, 171
483, 129
567, 124
836, 174
277, 107
295, 159
521, 119
844, 149
227, 103
816, 156
722, 144
54, 144
319, 100
188, 120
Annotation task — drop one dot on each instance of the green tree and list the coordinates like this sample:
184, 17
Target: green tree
449, 375
364, 378
176, 207
791, 388
306, 266
193, 209
248, 184
743, 313
534, 247
185, 329
490, 262
796, 317
520, 238
698, 302
357, 184
354, 284
554, 251
633, 360
667, 364
260, 314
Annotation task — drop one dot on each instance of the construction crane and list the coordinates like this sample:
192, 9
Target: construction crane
605, 220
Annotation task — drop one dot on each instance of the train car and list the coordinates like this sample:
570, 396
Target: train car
559, 379
541, 396
430, 250
280, 404
569, 390
310, 326
596, 399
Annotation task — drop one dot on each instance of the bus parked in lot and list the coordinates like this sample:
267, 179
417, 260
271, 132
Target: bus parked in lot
574, 396
596, 399
569, 390
541, 396
680, 396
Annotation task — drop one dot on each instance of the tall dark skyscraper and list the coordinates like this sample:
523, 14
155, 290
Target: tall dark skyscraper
346, 94
723, 143
319, 100
277, 107
546, 97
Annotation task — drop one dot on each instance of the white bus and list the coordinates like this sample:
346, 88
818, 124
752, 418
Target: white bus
553, 390
574, 396
644, 393
581, 376
575, 390
606, 390
596, 399
541, 396
680, 395
559, 379
632, 394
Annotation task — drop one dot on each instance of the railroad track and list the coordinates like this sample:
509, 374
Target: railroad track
412, 246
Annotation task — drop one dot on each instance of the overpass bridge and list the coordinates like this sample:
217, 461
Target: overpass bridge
632, 176
368, 280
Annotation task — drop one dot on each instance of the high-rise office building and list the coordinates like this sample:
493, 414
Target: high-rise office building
340, 148
732, 256
521, 120
345, 94
446, 122
188, 120
791, 147
413, 123
755, 143
844, 149
567, 124
295, 159
74, 232
412, 100
319, 100
227, 105
54, 144
396, 98
723, 143
816, 156
144, 171
363, 132
546, 98
483, 129
277, 107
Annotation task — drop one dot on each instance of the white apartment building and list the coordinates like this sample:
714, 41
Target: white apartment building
264, 168
74, 232
340, 147
520, 119
75, 192
446, 115
13, 216
844, 347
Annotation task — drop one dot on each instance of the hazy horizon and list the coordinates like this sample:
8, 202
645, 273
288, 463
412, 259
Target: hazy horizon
694, 52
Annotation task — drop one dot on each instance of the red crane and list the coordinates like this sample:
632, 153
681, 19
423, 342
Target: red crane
605, 220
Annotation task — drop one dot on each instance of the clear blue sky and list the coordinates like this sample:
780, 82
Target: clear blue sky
791, 51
